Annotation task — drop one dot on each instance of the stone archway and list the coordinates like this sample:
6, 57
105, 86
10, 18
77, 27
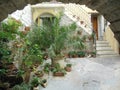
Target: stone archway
110, 9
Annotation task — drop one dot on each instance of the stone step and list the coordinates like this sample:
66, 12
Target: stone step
101, 42
102, 45
103, 48
106, 52
107, 55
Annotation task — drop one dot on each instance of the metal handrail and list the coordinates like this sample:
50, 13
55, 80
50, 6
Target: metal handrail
94, 40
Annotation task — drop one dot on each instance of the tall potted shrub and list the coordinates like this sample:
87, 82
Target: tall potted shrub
60, 37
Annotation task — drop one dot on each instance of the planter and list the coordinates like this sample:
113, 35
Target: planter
36, 65
13, 80
35, 83
4, 86
35, 88
44, 83
58, 74
39, 74
56, 60
19, 45
27, 28
11, 67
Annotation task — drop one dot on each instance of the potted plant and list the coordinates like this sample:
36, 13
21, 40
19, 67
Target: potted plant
72, 54
79, 32
35, 82
47, 68
3, 74
39, 73
43, 83
81, 53
33, 58
59, 36
68, 67
4, 86
93, 54
58, 71
22, 86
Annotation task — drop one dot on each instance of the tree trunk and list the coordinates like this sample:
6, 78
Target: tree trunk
53, 61
27, 76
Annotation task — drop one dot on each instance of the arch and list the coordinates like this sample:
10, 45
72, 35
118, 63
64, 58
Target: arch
43, 15
110, 9
46, 14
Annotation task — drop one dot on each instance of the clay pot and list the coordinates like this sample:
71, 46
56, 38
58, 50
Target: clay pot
58, 74
68, 69
27, 28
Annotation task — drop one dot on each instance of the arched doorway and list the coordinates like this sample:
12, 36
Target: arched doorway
45, 19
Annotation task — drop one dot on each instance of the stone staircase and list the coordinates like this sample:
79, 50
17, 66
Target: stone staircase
104, 50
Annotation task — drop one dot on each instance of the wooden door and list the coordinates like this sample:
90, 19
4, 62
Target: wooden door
95, 24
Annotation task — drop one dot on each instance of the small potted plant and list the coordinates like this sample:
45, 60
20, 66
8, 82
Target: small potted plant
59, 72
68, 67
72, 54
34, 83
39, 73
44, 83
81, 54
47, 67
79, 32
93, 54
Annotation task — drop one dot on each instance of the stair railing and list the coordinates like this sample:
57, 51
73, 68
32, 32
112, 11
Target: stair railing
94, 40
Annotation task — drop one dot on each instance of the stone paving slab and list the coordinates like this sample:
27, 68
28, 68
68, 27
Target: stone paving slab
88, 74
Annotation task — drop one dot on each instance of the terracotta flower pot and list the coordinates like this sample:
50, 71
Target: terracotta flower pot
58, 74
68, 69
27, 28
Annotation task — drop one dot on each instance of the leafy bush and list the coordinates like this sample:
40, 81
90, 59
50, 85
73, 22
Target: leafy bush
35, 82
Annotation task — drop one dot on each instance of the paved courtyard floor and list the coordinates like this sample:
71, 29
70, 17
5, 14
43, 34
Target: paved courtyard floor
88, 74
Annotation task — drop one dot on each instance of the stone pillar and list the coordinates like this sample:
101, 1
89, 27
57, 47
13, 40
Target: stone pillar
100, 27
